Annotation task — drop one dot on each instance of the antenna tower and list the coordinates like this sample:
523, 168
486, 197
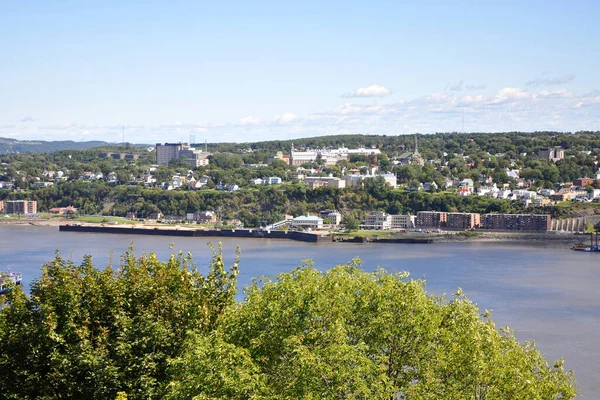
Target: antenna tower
192, 138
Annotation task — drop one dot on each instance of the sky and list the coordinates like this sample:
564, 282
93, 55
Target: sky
228, 71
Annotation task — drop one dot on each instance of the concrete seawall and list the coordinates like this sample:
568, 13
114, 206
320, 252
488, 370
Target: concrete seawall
234, 233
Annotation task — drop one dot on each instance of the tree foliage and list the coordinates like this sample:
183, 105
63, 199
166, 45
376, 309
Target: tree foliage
89, 333
348, 334
152, 329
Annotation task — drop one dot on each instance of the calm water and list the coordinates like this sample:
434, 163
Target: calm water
545, 293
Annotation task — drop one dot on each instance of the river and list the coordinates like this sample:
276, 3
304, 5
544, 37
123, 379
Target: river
545, 292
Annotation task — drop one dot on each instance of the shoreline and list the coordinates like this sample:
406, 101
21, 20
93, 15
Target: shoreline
566, 238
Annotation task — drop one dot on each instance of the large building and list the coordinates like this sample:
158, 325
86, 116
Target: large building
307, 222
377, 221
431, 219
333, 216
18, 207
553, 154
357, 180
180, 151
518, 222
458, 220
327, 156
314, 182
382, 221
402, 221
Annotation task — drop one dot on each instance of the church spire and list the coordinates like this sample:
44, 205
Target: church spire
416, 146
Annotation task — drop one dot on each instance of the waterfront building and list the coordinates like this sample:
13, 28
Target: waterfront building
518, 222
19, 207
377, 221
203, 217
458, 220
333, 216
62, 210
402, 222
307, 222
431, 219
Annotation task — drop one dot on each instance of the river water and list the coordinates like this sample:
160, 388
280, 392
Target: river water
545, 292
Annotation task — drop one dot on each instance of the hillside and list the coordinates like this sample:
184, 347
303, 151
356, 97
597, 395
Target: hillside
8, 145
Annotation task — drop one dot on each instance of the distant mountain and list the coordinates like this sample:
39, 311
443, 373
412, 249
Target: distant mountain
8, 145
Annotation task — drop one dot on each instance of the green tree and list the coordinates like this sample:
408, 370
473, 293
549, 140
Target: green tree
349, 334
87, 333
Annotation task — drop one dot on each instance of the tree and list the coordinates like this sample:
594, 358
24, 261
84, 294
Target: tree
351, 334
87, 333
351, 222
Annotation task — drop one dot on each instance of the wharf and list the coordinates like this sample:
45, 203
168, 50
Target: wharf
233, 233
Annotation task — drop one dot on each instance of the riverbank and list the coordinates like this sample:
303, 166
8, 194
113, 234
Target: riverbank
566, 239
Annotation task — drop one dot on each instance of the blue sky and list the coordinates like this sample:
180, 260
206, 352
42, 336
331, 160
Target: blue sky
247, 71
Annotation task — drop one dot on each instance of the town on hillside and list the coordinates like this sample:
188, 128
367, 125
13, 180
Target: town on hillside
453, 182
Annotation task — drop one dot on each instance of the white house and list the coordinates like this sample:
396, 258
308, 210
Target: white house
274, 180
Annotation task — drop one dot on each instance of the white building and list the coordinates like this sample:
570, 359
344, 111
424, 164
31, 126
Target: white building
377, 221
356, 180
324, 181
274, 180
402, 221
307, 222
333, 216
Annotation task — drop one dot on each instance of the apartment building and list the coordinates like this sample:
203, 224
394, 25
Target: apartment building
431, 219
19, 207
402, 222
518, 222
180, 151
458, 220
553, 154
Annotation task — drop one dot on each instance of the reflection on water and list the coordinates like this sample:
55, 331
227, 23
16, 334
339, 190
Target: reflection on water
543, 292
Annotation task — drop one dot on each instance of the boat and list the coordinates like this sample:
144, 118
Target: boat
9, 278
592, 248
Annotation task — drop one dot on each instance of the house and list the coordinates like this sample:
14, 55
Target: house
274, 180
62, 210
430, 186
203, 217
233, 188
583, 182
256, 181
42, 184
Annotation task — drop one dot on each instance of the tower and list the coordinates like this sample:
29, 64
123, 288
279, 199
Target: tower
416, 145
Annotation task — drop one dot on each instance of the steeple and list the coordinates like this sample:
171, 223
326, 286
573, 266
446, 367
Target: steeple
416, 146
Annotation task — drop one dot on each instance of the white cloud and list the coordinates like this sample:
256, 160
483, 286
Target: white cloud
375, 90
507, 109
28, 118
249, 120
284, 118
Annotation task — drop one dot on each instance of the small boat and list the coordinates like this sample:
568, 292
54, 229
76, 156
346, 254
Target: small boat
592, 248
7, 278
